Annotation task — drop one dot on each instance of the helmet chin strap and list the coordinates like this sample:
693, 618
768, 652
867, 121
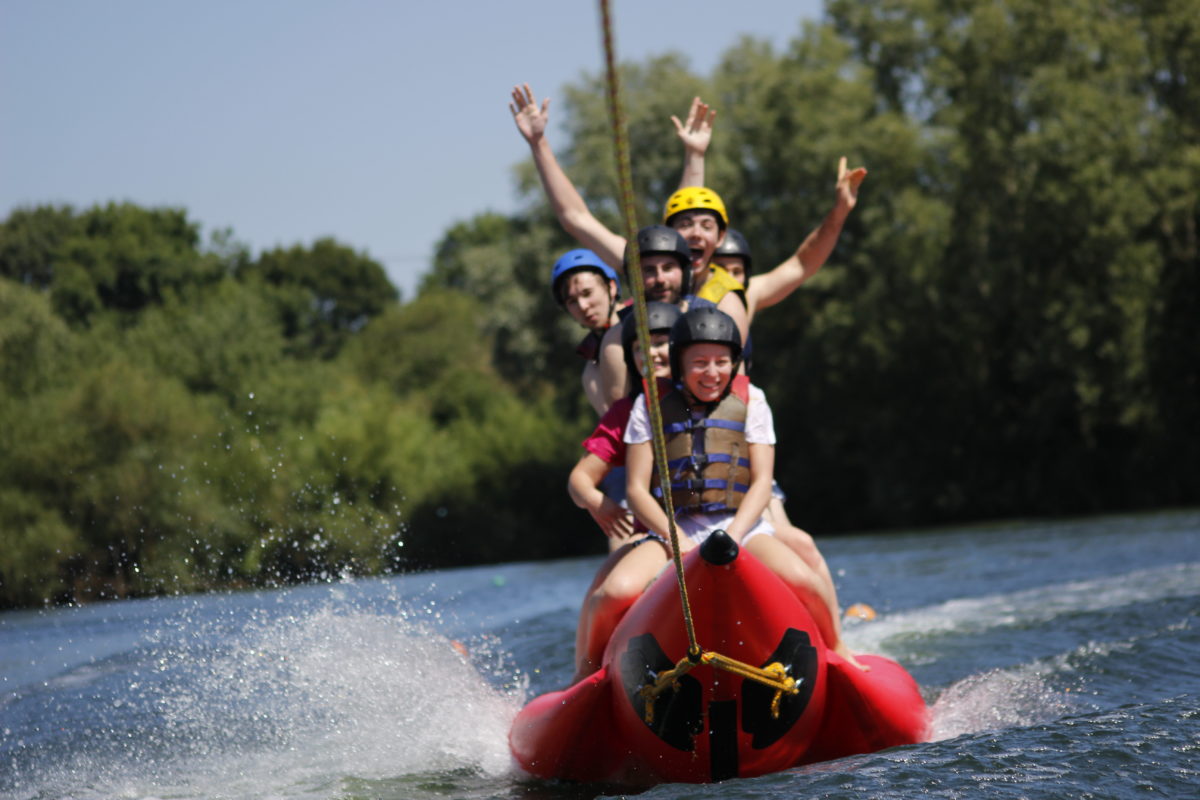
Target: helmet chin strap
612, 305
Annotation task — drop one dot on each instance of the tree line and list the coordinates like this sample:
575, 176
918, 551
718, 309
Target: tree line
1007, 328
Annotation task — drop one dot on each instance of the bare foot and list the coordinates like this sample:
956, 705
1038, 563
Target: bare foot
848, 654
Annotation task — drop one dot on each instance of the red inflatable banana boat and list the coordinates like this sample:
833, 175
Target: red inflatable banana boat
710, 724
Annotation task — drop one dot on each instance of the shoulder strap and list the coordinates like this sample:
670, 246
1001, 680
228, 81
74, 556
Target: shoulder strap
740, 387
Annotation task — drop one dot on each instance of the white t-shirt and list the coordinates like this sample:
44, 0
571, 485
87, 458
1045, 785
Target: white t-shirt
760, 429
760, 424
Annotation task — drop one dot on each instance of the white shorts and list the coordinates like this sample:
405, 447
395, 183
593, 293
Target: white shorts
699, 527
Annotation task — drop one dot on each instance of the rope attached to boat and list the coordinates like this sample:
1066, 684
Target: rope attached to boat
773, 675
633, 261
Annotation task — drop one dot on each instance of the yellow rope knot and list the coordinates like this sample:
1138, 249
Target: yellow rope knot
774, 676
664, 680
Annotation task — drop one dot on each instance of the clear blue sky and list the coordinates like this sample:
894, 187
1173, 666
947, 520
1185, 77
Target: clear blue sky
377, 123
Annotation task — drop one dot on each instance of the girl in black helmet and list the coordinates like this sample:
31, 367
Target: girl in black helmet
597, 483
720, 437
720, 459
590, 486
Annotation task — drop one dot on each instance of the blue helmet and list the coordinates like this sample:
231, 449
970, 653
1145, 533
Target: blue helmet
580, 259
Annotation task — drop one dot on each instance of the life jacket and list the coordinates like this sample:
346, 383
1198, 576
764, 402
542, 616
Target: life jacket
718, 284
708, 458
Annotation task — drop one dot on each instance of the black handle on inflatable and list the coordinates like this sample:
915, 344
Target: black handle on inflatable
719, 549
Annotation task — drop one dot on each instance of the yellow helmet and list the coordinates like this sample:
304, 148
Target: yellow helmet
695, 198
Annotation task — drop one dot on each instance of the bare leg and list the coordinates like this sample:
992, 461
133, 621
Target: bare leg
799, 540
614, 557
611, 597
808, 585
802, 544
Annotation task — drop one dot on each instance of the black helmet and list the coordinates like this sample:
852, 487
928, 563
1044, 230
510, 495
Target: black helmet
703, 324
656, 239
735, 245
659, 319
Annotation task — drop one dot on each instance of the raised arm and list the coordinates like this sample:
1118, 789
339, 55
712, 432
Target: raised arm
770, 288
695, 136
568, 205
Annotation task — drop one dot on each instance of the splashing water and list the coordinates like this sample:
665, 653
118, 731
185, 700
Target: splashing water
336, 692
1056, 658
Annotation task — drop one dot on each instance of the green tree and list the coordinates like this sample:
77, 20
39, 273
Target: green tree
30, 240
322, 294
225, 340
116, 259
456, 451
505, 264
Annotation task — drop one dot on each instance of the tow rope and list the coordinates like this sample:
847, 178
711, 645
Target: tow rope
774, 675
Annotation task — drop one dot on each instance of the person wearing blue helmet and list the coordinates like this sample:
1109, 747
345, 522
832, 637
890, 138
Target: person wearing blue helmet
685, 211
577, 220
588, 289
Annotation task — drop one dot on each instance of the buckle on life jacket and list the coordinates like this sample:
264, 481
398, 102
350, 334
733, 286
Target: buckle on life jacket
698, 461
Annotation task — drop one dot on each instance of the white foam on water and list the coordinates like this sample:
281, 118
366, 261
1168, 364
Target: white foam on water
890, 633
293, 707
1002, 698
1025, 694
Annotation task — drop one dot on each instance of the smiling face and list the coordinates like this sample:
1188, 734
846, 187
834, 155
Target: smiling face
588, 298
660, 355
703, 231
663, 278
707, 369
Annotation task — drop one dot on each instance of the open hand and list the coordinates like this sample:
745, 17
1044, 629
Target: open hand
697, 132
612, 519
531, 121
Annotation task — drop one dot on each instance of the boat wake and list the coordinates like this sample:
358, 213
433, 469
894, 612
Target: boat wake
901, 635
1033, 691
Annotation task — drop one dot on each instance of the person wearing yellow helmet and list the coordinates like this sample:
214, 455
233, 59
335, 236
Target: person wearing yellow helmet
698, 213
732, 261
731, 257
577, 220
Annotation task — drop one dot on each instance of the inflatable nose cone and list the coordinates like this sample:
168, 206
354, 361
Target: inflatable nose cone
719, 549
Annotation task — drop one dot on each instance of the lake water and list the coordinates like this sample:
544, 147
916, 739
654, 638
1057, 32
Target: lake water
1061, 659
